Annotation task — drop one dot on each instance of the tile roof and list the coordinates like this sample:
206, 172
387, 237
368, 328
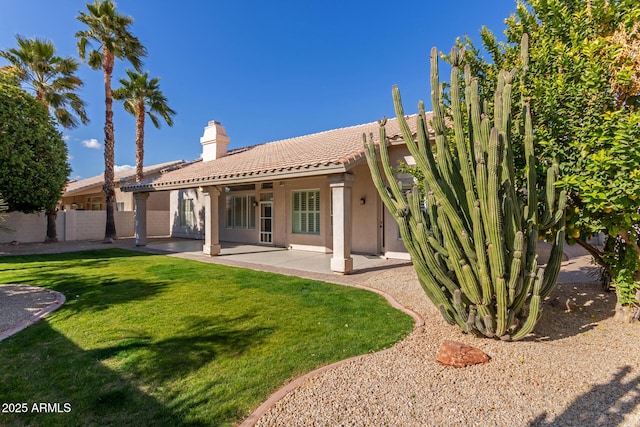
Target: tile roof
76, 187
320, 153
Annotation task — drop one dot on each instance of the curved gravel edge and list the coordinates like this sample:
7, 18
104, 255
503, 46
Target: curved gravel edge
279, 394
58, 302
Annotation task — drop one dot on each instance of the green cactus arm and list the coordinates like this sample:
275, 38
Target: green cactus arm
481, 183
489, 326
392, 205
473, 111
466, 276
440, 297
448, 317
553, 266
424, 142
470, 324
426, 165
464, 154
508, 167
498, 105
549, 195
532, 194
515, 273
396, 188
509, 212
446, 165
435, 244
424, 162
502, 305
530, 275
460, 307
441, 190
508, 163
534, 311
432, 213
435, 265
483, 268
494, 214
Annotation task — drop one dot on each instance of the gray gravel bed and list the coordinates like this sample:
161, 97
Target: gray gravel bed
580, 368
19, 303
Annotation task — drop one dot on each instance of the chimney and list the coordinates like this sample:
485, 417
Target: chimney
214, 141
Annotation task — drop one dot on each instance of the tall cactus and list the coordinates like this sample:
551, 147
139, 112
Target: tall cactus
472, 237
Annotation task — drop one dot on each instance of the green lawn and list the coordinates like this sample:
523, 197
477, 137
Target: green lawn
154, 340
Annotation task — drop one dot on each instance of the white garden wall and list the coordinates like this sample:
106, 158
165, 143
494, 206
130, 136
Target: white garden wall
79, 225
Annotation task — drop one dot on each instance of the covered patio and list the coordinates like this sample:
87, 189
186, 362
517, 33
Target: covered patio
274, 258
312, 193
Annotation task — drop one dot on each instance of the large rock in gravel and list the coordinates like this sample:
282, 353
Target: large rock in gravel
460, 355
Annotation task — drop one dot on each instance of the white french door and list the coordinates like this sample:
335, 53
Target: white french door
266, 223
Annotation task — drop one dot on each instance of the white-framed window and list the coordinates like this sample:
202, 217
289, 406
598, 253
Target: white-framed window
187, 213
241, 211
306, 211
120, 206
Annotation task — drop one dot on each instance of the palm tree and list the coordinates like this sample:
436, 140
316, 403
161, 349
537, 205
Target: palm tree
52, 79
110, 32
138, 93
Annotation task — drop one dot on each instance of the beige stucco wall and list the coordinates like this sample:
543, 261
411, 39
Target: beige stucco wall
366, 218
178, 230
79, 225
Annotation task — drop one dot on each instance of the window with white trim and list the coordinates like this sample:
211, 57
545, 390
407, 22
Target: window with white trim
187, 213
306, 211
241, 212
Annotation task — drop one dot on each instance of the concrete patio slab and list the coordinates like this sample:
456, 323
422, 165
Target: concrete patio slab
268, 255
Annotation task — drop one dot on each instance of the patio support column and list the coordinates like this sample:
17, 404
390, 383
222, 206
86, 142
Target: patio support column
341, 261
211, 221
141, 218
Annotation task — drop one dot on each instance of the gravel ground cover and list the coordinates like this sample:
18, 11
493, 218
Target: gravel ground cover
19, 303
580, 368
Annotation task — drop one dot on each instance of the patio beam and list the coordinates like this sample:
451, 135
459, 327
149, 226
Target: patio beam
341, 261
211, 220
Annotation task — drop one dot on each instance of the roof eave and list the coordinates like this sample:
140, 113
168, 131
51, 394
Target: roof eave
301, 172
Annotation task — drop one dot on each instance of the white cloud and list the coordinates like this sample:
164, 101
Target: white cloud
92, 143
69, 157
123, 168
66, 137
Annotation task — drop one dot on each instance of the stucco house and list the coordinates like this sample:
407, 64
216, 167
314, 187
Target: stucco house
87, 194
311, 192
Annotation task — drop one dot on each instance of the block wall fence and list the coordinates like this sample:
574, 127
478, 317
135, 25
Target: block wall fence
79, 225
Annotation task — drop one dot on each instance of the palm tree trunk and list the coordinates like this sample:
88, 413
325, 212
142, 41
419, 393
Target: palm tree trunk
109, 143
52, 232
139, 141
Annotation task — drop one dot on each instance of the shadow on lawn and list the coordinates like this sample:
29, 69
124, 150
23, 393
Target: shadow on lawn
603, 404
81, 277
52, 369
200, 342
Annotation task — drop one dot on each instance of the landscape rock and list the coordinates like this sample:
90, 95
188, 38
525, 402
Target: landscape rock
457, 354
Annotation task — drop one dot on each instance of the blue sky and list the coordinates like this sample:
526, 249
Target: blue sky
267, 70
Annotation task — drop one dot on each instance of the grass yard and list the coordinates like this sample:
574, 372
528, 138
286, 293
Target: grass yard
154, 340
